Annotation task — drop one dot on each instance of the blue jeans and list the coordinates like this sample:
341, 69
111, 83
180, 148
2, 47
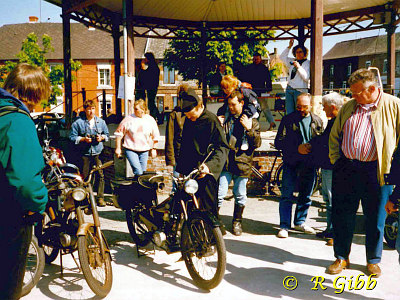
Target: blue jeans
239, 188
291, 99
327, 196
303, 177
354, 180
137, 160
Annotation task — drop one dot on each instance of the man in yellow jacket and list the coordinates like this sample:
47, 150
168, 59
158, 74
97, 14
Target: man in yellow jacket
361, 144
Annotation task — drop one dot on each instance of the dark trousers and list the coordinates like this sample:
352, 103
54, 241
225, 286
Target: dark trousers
302, 177
87, 164
208, 193
354, 181
14, 244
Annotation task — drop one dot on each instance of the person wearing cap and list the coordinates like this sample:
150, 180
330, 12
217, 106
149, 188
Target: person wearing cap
200, 130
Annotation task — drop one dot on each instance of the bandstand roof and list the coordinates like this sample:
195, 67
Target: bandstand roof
280, 15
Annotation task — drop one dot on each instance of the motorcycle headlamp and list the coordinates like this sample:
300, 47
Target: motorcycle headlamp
191, 186
79, 194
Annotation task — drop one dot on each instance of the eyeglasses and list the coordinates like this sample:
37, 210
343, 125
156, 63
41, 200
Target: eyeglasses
360, 92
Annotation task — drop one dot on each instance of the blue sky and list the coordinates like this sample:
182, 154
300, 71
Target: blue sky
18, 11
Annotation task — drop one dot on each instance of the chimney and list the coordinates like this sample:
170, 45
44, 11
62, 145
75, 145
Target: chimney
33, 19
275, 51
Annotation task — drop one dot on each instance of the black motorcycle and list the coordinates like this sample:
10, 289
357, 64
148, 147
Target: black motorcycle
177, 224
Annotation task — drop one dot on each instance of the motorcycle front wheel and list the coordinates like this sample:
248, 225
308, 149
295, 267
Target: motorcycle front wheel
137, 229
34, 266
203, 250
95, 267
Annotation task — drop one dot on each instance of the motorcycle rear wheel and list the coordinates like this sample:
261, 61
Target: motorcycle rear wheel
391, 229
137, 229
34, 266
96, 269
203, 250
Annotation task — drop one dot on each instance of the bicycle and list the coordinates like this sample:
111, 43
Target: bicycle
272, 179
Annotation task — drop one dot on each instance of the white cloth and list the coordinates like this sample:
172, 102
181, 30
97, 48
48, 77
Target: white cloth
301, 81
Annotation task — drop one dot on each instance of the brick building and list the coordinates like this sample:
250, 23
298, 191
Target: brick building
94, 49
347, 56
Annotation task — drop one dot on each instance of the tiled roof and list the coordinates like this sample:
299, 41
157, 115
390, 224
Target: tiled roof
360, 47
85, 44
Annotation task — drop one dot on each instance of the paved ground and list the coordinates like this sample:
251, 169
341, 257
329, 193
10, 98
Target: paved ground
257, 263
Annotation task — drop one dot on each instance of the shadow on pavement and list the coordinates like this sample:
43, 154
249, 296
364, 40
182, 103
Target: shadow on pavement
71, 285
146, 265
269, 281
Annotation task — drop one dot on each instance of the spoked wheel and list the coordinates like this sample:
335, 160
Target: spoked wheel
391, 229
138, 230
203, 250
34, 266
95, 267
278, 177
50, 253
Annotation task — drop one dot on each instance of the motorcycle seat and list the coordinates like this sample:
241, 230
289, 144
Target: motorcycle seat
151, 181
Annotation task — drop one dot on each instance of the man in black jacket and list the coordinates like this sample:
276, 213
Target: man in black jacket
295, 129
238, 166
201, 129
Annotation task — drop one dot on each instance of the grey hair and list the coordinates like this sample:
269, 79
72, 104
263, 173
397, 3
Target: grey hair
365, 76
333, 99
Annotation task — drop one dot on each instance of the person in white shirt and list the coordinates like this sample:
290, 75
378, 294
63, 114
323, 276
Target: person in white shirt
299, 74
140, 133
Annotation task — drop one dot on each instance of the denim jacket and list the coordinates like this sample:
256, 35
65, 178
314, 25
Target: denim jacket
81, 128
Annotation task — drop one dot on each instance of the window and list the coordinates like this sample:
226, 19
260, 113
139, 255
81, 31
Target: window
109, 99
385, 66
367, 64
344, 84
169, 75
331, 85
332, 70
349, 69
160, 103
175, 99
104, 71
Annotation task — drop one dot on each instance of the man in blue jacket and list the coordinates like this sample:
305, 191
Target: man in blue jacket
23, 195
88, 133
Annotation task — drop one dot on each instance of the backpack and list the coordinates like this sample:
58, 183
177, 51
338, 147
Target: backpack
5, 110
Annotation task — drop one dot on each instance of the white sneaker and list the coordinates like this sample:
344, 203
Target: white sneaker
304, 228
283, 233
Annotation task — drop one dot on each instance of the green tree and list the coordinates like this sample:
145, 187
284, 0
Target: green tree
184, 55
34, 54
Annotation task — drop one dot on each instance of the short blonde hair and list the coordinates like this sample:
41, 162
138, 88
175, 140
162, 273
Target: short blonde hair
229, 82
28, 83
141, 104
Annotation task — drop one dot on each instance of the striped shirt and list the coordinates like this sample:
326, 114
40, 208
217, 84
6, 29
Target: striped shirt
358, 134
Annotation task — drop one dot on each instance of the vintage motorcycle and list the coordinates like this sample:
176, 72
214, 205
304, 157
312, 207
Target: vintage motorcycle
177, 224
65, 230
